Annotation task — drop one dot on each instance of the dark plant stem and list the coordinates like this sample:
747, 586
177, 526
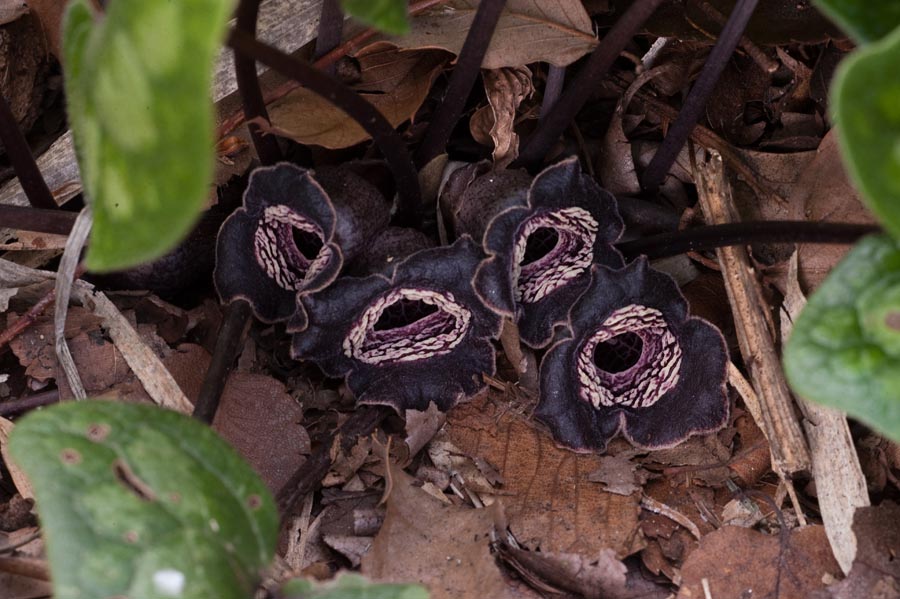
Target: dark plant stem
584, 83
26, 404
695, 102
556, 77
228, 343
310, 474
468, 66
745, 233
331, 28
388, 140
38, 220
248, 86
22, 160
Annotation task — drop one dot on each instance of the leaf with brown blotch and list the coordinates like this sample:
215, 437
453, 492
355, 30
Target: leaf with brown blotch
740, 562
447, 548
547, 496
558, 32
395, 81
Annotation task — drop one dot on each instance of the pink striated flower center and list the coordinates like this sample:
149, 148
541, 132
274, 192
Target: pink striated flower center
289, 247
407, 324
570, 256
632, 360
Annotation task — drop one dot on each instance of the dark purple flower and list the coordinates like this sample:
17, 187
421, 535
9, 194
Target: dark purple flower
636, 364
541, 236
417, 336
293, 235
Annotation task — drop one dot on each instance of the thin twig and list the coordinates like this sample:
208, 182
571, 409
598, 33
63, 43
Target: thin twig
695, 102
228, 342
710, 237
386, 137
254, 106
465, 73
584, 83
38, 220
26, 404
22, 160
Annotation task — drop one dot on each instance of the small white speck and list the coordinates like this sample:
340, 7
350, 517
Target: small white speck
214, 525
169, 583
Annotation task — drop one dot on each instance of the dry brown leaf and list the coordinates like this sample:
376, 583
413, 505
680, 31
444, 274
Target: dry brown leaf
506, 89
740, 562
876, 571
618, 474
49, 14
394, 81
444, 547
548, 499
23, 486
528, 31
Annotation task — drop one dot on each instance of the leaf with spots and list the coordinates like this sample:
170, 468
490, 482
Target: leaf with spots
137, 86
141, 502
844, 351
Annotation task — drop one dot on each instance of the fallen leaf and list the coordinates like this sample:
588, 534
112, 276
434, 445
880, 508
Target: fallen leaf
619, 475
740, 562
506, 89
547, 497
394, 81
528, 31
444, 547
876, 570
49, 14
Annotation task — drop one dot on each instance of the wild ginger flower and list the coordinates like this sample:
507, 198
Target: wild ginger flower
636, 363
417, 335
293, 235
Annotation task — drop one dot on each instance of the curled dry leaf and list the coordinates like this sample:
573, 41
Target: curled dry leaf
395, 81
506, 89
558, 32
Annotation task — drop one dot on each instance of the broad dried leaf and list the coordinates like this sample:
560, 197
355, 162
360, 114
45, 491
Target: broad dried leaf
528, 31
740, 562
444, 547
506, 89
394, 81
618, 474
548, 499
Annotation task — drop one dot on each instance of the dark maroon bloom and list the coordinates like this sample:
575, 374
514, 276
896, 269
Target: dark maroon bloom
542, 236
417, 336
636, 364
293, 235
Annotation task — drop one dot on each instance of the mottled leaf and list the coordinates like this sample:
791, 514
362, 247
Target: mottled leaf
351, 586
137, 85
866, 109
845, 348
865, 20
386, 15
142, 502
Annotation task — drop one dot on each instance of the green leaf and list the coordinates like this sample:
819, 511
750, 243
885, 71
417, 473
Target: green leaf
351, 586
137, 82
866, 20
387, 15
845, 348
137, 501
866, 109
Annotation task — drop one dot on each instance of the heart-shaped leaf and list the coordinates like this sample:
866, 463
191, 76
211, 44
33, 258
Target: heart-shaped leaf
137, 83
866, 104
865, 20
387, 15
351, 586
137, 501
845, 348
